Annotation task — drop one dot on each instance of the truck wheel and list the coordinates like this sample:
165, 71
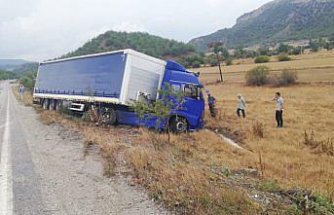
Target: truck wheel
52, 104
109, 116
178, 125
45, 104
59, 105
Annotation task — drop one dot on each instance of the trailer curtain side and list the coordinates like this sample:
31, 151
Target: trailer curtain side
116, 77
99, 76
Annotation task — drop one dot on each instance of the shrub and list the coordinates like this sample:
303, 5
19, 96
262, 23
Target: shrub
297, 51
288, 78
28, 80
262, 59
229, 62
283, 58
212, 61
196, 64
257, 76
274, 80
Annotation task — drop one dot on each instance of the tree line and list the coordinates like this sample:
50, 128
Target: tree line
218, 52
142, 42
6, 75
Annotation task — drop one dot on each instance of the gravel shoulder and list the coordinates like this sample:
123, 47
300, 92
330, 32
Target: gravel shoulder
70, 181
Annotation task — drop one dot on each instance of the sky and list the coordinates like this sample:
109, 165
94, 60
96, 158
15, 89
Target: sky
43, 29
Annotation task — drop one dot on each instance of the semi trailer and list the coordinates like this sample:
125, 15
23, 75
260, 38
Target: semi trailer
111, 82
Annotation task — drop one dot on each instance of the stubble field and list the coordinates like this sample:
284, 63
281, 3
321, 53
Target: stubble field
301, 154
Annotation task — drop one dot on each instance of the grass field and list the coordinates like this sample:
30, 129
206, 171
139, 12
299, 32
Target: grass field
198, 173
312, 67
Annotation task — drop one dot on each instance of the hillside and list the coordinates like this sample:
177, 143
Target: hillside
25, 68
143, 42
11, 64
276, 21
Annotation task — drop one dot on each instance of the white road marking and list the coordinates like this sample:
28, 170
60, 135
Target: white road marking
6, 184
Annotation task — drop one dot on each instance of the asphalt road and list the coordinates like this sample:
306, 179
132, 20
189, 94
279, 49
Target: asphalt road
44, 170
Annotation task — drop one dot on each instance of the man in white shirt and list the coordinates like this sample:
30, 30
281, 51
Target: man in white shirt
279, 109
241, 106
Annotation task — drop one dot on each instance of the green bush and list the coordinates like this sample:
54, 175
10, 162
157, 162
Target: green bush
257, 76
5, 75
262, 59
28, 80
196, 64
283, 58
211, 60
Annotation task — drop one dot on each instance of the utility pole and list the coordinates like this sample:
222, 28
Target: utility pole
219, 66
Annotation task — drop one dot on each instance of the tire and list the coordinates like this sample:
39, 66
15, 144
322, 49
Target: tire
45, 104
178, 125
52, 104
109, 116
59, 105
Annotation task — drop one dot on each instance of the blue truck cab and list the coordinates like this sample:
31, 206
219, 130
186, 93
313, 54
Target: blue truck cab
193, 109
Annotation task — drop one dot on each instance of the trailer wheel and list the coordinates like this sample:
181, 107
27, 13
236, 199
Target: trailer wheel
45, 104
178, 125
59, 105
109, 116
52, 104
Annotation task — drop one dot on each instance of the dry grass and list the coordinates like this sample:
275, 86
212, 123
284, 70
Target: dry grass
309, 108
313, 67
26, 99
179, 173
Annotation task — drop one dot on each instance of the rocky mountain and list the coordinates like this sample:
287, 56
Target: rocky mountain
276, 21
143, 42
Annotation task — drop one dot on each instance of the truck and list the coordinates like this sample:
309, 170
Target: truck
109, 83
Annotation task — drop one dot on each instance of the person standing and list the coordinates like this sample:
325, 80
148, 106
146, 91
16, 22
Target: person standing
212, 104
21, 90
241, 106
279, 109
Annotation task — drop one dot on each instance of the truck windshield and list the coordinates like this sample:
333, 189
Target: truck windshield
192, 91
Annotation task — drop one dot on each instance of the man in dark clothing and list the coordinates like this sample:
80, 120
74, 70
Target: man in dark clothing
212, 105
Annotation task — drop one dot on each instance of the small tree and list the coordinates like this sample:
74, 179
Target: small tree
283, 48
28, 80
314, 46
160, 110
